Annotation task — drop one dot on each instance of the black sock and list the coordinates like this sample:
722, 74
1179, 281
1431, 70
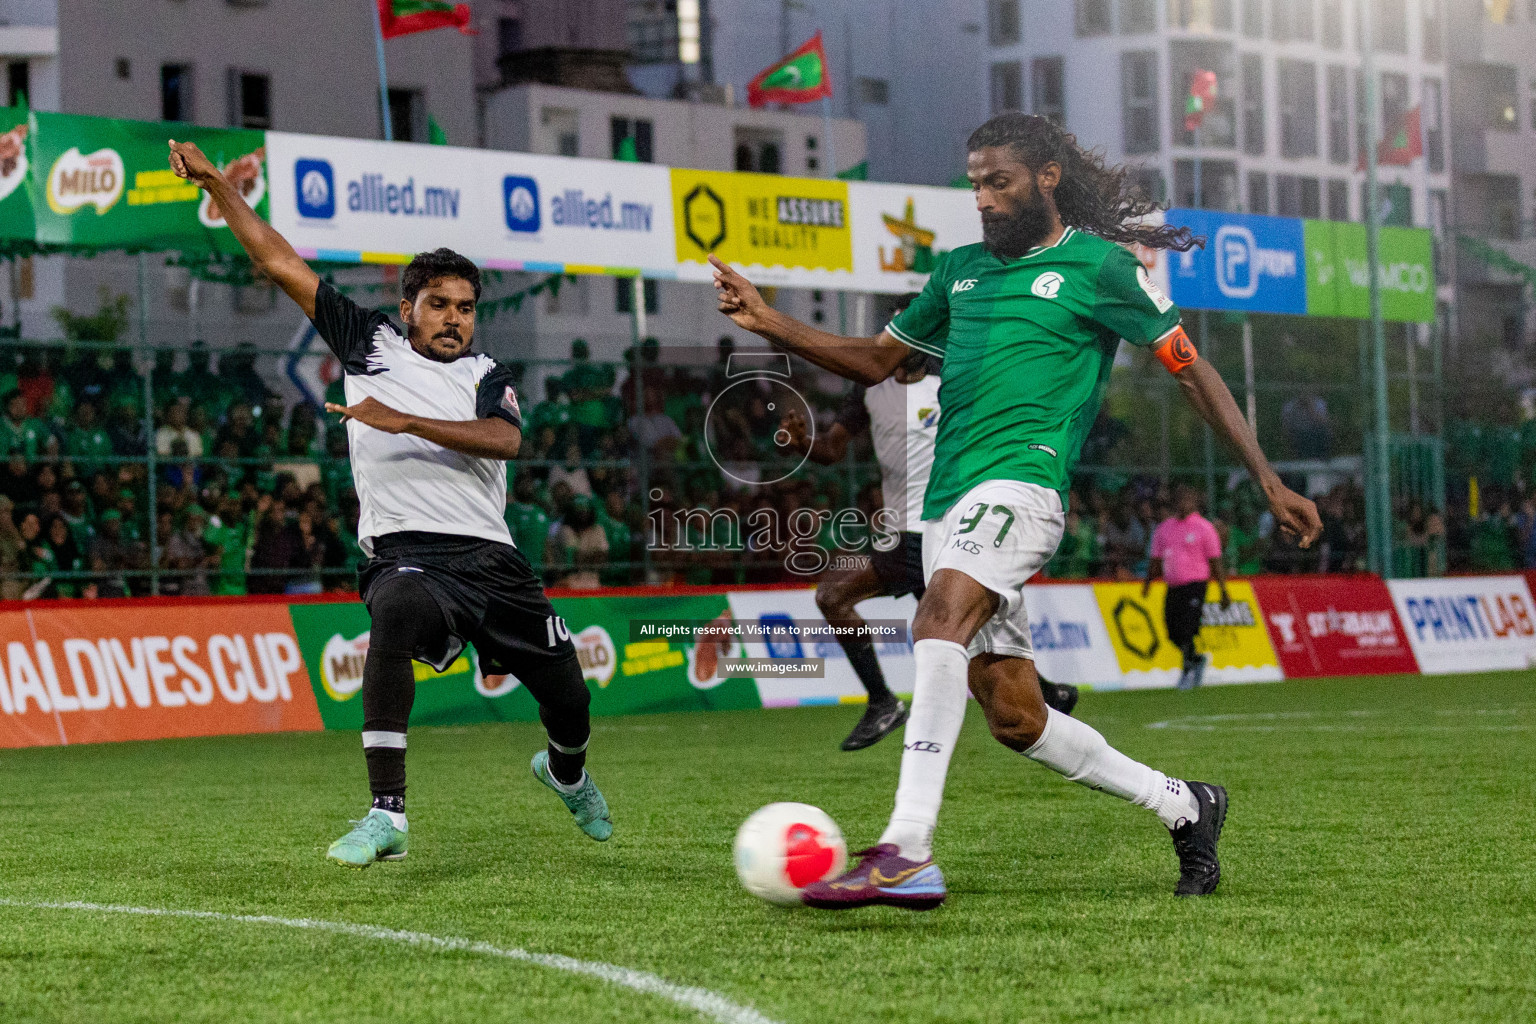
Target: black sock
1188, 650
405, 618
563, 708
389, 802
861, 655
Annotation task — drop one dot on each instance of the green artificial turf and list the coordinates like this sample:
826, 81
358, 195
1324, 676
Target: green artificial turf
1379, 866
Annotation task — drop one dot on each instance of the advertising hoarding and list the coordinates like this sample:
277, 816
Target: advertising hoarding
1235, 637
1250, 263
1333, 626
1467, 623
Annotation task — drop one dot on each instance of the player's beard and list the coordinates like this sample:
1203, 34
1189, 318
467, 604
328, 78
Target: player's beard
436, 351
1011, 235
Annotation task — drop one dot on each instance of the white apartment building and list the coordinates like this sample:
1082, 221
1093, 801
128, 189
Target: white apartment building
1286, 132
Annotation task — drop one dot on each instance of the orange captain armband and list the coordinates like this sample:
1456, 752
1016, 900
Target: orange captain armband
1175, 350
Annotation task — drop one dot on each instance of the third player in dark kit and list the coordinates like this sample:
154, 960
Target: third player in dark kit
430, 425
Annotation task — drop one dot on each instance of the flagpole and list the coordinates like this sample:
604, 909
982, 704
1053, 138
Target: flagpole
378, 46
826, 131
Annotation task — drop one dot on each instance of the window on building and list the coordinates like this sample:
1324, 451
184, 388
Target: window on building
637, 129
561, 131
874, 92
1138, 99
1396, 204
1007, 86
1093, 18
18, 82
812, 160
1298, 107
1433, 28
1495, 85
1438, 205
1200, 15
1499, 12
408, 115
124, 68
759, 149
1185, 57
250, 99
1294, 21
1389, 25
624, 295
1253, 104
1432, 121
509, 35
1149, 182
1258, 192
1331, 24
1002, 22
653, 31
1218, 184
1137, 16
1296, 196
1394, 102
1338, 199
1048, 82
1338, 114
1311, 198
1253, 18
175, 92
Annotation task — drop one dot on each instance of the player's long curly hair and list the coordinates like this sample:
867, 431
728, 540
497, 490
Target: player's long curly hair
1091, 197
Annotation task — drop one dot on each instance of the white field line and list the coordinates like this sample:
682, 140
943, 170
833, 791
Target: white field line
701, 1000
1353, 721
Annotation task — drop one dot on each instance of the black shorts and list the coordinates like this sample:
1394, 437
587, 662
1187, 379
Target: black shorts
488, 594
1182, 611
901, 568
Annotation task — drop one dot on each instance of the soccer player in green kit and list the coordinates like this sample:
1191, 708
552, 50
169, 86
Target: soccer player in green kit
1027, 322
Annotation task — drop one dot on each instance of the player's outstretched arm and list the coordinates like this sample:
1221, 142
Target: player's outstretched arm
1207, 392
866, 361
269, 251
488, 437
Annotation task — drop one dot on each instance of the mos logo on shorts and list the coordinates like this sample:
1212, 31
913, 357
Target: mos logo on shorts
1047, 285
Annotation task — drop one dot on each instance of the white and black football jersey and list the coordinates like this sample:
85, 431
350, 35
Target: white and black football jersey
903, 421
405, 482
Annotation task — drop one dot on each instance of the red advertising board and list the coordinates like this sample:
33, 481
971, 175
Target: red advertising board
1333, 626
131, 672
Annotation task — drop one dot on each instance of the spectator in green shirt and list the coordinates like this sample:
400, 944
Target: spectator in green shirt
611, 517
228, 534
18, 430
528, 523
86, 441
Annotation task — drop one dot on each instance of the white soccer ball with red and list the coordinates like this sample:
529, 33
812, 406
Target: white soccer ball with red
785, 847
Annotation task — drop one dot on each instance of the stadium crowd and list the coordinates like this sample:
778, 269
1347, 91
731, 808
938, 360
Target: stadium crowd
252, 495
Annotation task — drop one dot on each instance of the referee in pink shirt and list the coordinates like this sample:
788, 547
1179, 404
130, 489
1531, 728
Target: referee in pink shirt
1187, 551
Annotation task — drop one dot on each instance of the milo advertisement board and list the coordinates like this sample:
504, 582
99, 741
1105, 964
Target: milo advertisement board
108, 183
15, 203
624, 676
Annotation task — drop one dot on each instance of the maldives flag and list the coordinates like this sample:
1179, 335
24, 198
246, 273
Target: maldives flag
799, 78
402, 17
1403, 145
1202, 96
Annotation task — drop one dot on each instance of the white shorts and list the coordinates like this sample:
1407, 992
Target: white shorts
1000, 534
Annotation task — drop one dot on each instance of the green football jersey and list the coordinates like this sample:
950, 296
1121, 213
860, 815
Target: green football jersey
1027, 347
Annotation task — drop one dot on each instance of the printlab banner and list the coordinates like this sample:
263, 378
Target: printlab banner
1333, 626
1468, 623
96, 675
107, 183
355, 200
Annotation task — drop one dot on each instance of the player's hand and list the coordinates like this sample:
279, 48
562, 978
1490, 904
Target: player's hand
739, 299
374, 413
188, 161
1296, 516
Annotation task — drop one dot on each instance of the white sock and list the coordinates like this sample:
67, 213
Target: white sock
396, 818
1076, 750
933, 726
571, 787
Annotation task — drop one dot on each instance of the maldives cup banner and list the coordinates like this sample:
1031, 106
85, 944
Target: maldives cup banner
356, 200
1334, 626
102, 674
900, 231
1468, 623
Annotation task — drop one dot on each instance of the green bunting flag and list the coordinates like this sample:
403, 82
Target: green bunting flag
799, 78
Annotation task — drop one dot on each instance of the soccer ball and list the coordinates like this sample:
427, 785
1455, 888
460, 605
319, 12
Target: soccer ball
785, 847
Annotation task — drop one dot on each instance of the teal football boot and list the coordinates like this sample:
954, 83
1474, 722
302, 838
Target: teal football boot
587, 803
374, 838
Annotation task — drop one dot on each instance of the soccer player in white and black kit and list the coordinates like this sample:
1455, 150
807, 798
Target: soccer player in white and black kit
430, 426
901, 414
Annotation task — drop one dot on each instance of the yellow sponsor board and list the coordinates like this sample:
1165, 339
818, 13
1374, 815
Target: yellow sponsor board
762, 220
1234, 637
